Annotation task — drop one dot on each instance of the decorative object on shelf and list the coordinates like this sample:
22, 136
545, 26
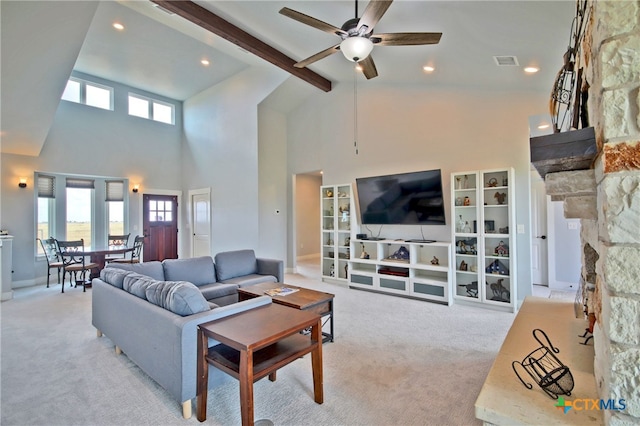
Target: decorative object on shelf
467, 201
466, 182
401, 255
364, 255
467, 228
463, 266
493, 182
460, 224
342, 194
497, 267
329, 241
473, 268
504, 230
458, 182
545, 369
347, 241
332, 270
466, 246
500, 292
348, 253
328, 193
459, 201
502, 249
435, 261
500, 197
505, 181
472, 289
489, 226
346, 270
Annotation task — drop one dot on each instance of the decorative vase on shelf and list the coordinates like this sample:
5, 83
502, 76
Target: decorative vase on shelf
467, 228
460, 224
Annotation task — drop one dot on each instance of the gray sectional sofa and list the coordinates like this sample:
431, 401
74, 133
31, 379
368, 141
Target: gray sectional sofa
150, 311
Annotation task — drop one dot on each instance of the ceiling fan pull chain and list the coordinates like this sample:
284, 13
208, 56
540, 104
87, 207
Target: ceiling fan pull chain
355, 107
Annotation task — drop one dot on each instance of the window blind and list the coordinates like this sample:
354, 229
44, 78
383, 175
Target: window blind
46, 186
80, 183
114, 190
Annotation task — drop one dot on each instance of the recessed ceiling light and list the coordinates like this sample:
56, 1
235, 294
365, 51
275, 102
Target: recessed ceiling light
204, 62
531, 70
118, 26
428, 68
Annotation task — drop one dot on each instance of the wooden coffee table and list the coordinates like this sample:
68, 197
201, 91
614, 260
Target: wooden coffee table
304, 299
254, 344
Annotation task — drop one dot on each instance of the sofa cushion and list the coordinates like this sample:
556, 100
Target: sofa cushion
213, 291
179, 297
137, 284
197, 270
151, 269
251, 279
114, 276
231, 264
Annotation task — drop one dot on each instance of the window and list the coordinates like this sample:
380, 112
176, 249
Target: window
160, 211
115, 207
88, 93
79, 210
46, 208
140, 106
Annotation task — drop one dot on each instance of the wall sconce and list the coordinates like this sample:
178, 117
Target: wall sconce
135, 189
23, 183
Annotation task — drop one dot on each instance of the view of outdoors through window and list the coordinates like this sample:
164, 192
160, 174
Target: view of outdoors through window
116, 222
79, 212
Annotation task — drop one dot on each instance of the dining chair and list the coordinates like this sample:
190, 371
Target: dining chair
50, 251
117, 241
73, 259
138, 243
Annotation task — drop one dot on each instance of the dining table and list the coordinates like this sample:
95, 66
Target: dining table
98, 255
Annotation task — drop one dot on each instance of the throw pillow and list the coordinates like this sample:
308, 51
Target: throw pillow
137, 284
114, 276
179, 297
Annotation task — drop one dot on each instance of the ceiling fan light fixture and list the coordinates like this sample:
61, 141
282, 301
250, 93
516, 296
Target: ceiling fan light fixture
356, 48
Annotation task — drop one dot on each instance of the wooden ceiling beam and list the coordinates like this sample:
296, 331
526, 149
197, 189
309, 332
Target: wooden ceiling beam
218, 26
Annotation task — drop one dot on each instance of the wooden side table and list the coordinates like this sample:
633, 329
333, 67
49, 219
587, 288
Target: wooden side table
304, 299
255, 344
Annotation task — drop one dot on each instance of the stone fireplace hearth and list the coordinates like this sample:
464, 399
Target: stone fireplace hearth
607, 200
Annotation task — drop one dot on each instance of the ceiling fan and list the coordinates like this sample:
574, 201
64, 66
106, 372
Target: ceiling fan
358, 38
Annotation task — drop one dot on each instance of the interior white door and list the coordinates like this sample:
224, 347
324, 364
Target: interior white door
539, 257
201, 220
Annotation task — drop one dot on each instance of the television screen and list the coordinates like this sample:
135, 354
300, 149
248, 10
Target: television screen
402, 199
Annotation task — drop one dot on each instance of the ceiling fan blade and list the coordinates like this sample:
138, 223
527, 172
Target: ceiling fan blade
313, 22
373, 12
320, 55
368, 67
405, 39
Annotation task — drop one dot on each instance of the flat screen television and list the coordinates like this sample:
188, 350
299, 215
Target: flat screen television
402, 199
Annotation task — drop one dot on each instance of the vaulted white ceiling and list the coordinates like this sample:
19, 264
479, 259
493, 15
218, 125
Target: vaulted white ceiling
161, 53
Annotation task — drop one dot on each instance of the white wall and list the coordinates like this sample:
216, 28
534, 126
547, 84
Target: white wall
220, 151
418, 128
89, 141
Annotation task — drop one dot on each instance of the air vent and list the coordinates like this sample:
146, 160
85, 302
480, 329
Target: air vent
506, 61
157, 6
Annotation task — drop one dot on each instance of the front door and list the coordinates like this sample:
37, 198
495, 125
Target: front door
160, 224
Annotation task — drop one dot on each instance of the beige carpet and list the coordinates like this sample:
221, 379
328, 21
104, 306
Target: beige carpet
395, 361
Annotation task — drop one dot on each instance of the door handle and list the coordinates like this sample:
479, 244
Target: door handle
542, 237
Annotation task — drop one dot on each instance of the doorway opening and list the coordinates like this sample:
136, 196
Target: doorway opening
306, 226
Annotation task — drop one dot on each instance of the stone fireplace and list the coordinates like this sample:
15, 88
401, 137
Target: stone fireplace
607, 200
